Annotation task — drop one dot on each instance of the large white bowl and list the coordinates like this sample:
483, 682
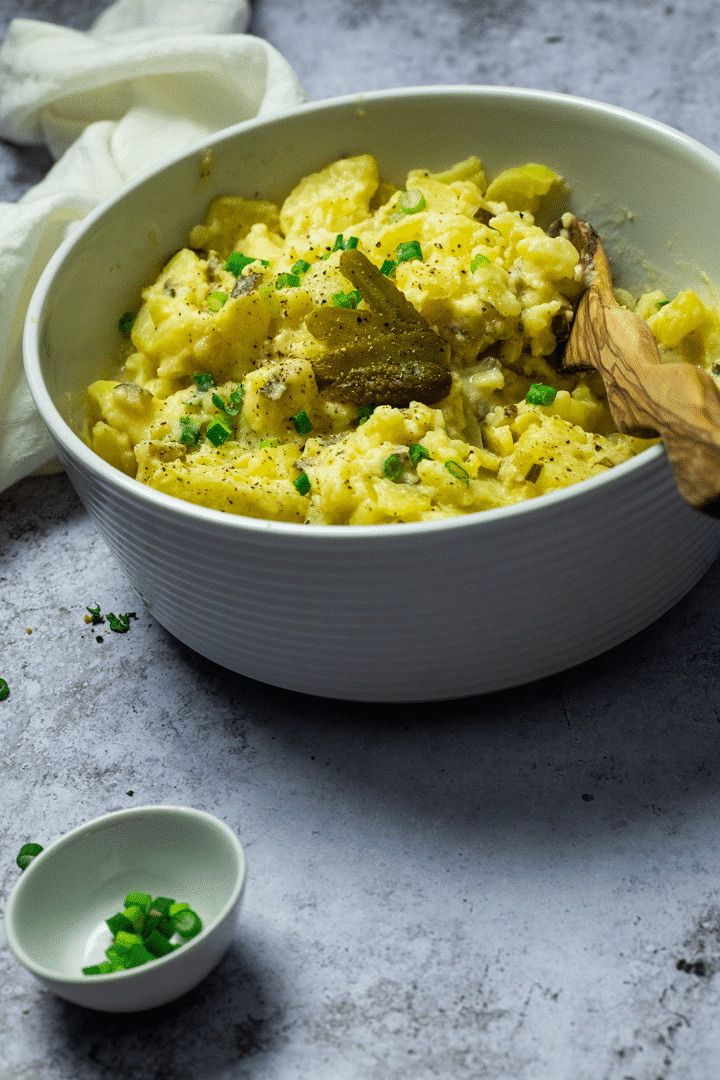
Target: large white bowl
404, 612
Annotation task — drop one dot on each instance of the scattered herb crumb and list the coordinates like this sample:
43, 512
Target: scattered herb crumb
129, 792
4, 690
120, 624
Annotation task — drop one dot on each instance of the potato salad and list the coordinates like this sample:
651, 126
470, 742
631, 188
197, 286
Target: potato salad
366, 354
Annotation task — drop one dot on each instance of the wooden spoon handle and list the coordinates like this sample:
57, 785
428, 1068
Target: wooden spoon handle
680, 402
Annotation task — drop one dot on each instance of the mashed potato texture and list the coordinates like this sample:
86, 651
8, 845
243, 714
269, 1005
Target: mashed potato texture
363, 354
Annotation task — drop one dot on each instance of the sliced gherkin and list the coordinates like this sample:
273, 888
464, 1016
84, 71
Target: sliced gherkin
388, 355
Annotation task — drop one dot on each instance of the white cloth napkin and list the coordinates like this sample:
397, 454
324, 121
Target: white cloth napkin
149, 78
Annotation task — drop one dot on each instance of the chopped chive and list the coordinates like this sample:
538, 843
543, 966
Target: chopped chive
393, 468
365, 412
409, 250
126, 322
302, 483
301, 267
287, 281
302, 422
478, 261
662, 303
457, 471
26, 855
218, 432
417, 453
187, 924
538, 394
267, 442
4, 689
203, 380
216, 300
347, 300
387, 267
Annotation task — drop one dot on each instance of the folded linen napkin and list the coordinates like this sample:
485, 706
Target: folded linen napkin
149, 78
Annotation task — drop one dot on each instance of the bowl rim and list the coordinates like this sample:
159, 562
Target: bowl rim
15, 899
163, 503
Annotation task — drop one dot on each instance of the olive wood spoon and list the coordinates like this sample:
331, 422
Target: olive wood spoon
677, 401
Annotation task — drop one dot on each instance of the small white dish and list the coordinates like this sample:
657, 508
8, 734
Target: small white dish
55, 917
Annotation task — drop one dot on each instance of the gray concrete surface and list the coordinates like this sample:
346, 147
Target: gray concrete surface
519, 887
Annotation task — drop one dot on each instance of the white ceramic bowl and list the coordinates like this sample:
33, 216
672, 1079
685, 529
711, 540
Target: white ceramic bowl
407, 612
55, 917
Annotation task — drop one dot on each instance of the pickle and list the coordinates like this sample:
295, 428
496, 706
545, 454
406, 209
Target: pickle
385, 356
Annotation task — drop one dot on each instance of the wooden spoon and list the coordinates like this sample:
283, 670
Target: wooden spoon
677, 401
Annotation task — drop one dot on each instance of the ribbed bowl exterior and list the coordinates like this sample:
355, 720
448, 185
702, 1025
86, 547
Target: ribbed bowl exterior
391, 613
422, 614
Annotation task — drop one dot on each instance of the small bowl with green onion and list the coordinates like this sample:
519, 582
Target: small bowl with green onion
131, 910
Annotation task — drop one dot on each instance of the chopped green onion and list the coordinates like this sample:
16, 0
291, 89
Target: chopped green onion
387, 267
662, 303
103, 968
26, 855
302, 483
134, 945
203, 380
365, 412
119, 922
135, 914
287, 281
347, 300
302, 422
187, 924
411, 202
345, 245
409, 250
478, 261
126, 322
457, 471
237, 262
393, 468
267, 442
417, 452
157, 943
218, 432
120, 624
189, 430
162, 904
138, 955
139, 899
4, 689
538, 394
216, 300
301, 267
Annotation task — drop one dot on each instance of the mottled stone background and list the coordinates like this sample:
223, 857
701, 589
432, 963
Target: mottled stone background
519, 887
